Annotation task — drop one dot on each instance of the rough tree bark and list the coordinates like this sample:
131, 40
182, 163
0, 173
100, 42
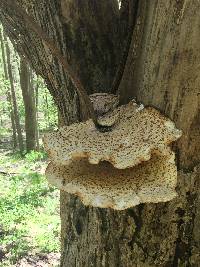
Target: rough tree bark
162, 70
29, 104
86, 40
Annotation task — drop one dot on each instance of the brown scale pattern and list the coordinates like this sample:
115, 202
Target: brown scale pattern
104, 186
130, 165
136, 135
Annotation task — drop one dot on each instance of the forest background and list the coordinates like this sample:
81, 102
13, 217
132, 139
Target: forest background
29, 208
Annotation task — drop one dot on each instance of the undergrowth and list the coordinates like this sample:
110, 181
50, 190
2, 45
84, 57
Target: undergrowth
29, 208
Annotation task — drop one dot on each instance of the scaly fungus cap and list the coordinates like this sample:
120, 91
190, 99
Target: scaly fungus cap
103, 102
129, 165
137, 134
104, 186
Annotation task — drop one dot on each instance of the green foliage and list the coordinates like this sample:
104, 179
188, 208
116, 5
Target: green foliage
33, 156
46, 110
29, 209
4, 132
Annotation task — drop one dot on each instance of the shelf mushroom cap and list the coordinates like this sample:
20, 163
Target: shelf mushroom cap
137, 133
104, 186
129, 165
103, 102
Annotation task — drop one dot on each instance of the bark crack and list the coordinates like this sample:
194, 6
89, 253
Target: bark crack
138, 222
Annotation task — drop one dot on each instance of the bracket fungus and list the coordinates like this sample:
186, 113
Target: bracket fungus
122, 168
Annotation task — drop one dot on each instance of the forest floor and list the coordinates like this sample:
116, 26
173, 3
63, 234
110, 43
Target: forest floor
29, 212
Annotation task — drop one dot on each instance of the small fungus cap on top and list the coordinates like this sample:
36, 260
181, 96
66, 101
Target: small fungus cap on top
137, 134
103, 102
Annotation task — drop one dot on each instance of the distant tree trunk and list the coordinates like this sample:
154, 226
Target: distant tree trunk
12, 117
14, 101
34, 93
29, 104
8, 93
46, 114
37, 123
162, 70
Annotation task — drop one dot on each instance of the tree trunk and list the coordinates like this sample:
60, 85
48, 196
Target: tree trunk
8, 95
12, 117
162, 70
29, 104
46, 113
37, 131
14, 101
34, 96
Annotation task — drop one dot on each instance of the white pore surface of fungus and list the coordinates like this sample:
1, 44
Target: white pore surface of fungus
136, 135
104, 186
121, 168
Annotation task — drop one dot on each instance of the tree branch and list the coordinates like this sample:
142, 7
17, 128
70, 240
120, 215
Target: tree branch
12, 5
